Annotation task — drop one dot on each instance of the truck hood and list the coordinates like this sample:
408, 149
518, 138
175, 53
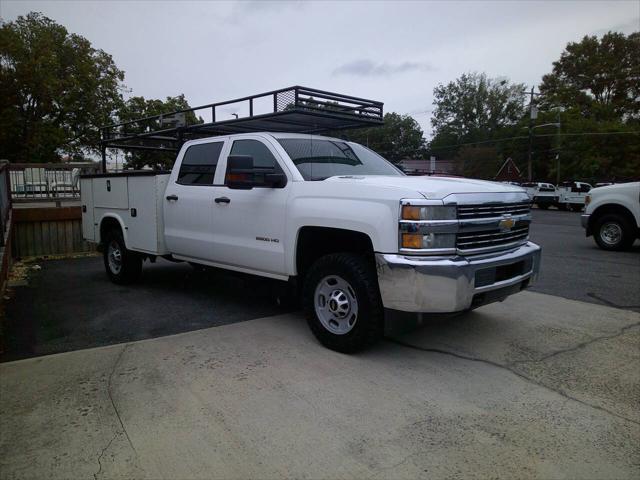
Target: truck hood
429, 187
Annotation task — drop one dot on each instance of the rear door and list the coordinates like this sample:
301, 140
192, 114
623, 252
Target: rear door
188, 202
249, 225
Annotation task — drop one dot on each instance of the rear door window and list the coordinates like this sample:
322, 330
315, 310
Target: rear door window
199, 164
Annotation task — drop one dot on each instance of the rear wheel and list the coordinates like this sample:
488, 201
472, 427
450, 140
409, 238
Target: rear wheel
342, 302
123, 266
613, 232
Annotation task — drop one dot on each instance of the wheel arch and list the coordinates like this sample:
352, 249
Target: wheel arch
110, 221
609, 208
313, 242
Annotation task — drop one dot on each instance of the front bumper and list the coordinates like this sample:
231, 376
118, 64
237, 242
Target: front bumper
584, 220
454, 284
546, 199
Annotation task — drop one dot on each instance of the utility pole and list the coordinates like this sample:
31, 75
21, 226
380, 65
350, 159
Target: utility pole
533, 114
103, 149
558, 152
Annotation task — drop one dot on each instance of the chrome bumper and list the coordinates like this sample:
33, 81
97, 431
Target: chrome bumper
444, 285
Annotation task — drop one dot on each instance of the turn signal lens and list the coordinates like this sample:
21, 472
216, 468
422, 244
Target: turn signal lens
410, 213
411, 240
429, 212
587, 200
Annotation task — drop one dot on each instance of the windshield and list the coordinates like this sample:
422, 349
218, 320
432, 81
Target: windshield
317, 159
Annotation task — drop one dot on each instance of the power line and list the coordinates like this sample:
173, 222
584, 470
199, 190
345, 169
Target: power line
521, 137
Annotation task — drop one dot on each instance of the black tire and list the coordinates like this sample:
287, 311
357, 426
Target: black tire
562, 206
130, 262
543, 206
616, 223
360, 275
576, 207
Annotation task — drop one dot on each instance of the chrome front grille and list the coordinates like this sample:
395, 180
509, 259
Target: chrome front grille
490, 210
489, 239
492, 237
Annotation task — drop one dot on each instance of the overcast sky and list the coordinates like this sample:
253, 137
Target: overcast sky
395, 52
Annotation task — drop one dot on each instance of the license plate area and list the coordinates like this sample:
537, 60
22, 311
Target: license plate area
491, 275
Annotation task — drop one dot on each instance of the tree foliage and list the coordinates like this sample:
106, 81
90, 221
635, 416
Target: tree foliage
55, 91
400, 137
597, 77
475, 107
480, 161
138, 107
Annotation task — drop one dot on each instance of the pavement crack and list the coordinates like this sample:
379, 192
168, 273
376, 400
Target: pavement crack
579, 346
508, 367
115, 409
95, 475
113, 403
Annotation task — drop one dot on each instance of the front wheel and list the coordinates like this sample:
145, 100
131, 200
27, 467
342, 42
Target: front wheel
613, 232
123, 266
342, 302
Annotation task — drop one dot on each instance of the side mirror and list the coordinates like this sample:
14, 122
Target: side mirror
242, 174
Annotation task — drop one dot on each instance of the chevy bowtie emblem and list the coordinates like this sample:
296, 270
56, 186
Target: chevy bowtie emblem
507, 223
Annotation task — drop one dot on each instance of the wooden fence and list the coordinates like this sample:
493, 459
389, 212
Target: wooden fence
48, 231
5, 224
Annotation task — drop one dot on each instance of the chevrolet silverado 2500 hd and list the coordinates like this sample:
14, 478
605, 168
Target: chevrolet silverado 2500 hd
356, 233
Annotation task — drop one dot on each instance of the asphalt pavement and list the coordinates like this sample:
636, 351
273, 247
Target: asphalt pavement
574, 267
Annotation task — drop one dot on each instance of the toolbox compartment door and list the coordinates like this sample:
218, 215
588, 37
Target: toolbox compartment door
110, 192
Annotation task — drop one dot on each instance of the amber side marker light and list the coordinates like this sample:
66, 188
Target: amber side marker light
411, 240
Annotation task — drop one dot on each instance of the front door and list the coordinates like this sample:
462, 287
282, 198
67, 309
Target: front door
188, 202
249, 225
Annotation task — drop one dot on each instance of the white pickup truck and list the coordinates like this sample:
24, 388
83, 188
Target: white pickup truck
359, 237
612, 215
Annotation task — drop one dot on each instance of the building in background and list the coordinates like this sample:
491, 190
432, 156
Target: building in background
509, 172
431, 166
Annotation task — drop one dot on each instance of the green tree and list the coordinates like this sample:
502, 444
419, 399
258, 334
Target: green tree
400, 137
475, 107
477, 162
597, 78
139, 107
55, 91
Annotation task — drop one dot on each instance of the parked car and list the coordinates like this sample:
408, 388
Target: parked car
544, 195
612, 215
572, 195
357, 235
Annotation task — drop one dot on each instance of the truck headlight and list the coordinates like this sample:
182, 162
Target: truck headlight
429, 240
429, 212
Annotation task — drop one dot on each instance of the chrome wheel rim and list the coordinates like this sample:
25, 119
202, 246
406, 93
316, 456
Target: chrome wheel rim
336, 305
611, 233
114, 256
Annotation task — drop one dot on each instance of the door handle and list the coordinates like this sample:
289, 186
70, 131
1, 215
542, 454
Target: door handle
222, 200
172, 197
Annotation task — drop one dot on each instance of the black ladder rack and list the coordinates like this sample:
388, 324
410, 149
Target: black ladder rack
294, 109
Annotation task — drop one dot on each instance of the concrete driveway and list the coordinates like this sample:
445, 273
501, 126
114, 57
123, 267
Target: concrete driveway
537, 386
